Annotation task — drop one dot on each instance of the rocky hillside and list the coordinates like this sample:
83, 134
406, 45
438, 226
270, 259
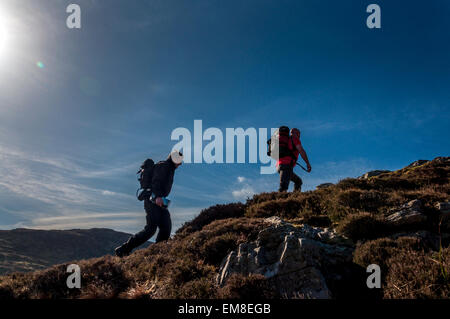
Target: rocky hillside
28, 250
315, 244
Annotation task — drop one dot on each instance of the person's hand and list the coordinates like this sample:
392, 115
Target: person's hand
159, 201
308, 168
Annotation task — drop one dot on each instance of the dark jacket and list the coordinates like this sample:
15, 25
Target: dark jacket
163, 178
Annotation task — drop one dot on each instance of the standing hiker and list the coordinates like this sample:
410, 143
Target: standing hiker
290, 148
156, 184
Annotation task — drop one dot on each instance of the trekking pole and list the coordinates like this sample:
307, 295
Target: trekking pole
302, 167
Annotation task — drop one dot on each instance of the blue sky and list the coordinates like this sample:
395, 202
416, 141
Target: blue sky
73, 132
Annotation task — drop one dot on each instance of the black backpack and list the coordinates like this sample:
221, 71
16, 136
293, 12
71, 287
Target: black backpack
145, 175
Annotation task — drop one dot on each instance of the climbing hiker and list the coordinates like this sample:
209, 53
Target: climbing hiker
156, 184
290, 147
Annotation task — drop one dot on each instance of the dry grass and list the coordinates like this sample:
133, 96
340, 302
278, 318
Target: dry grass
363, 226
416, 274
377, 195
409, 269
208, 215
253, 286
180, 268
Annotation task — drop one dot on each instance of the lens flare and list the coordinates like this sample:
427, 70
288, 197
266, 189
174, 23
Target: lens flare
40, 65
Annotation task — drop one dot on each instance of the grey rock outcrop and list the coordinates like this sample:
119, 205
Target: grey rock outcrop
373, 173
418, 163
409, 213
324, 185
293, 258
441, 159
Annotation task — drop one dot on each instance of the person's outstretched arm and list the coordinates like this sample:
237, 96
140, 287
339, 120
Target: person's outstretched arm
302, 152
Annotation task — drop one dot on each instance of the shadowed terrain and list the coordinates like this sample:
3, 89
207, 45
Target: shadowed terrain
27, 249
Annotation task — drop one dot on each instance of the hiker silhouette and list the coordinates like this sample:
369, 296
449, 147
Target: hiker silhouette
290, 147
155, 204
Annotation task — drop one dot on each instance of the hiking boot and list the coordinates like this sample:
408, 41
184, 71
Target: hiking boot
121, 251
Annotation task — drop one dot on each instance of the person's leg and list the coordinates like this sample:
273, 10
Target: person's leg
297, 182
165, 225
285, 177
144, 235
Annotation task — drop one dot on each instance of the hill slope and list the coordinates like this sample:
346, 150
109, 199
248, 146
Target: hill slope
27, 250
315, 244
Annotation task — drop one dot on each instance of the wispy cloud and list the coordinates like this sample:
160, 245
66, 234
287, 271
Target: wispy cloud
244, 193
66, 164
83, 220
66, 190
130, 222
180, 215
65, 196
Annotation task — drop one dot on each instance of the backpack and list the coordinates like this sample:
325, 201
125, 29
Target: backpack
145, 175
278, 145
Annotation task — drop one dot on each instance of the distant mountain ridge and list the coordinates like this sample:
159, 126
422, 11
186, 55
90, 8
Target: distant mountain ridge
24, 250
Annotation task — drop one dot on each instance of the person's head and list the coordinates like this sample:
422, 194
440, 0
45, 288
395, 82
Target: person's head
176, 157
295, 132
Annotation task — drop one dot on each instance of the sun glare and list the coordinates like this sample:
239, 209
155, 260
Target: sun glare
3, 35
